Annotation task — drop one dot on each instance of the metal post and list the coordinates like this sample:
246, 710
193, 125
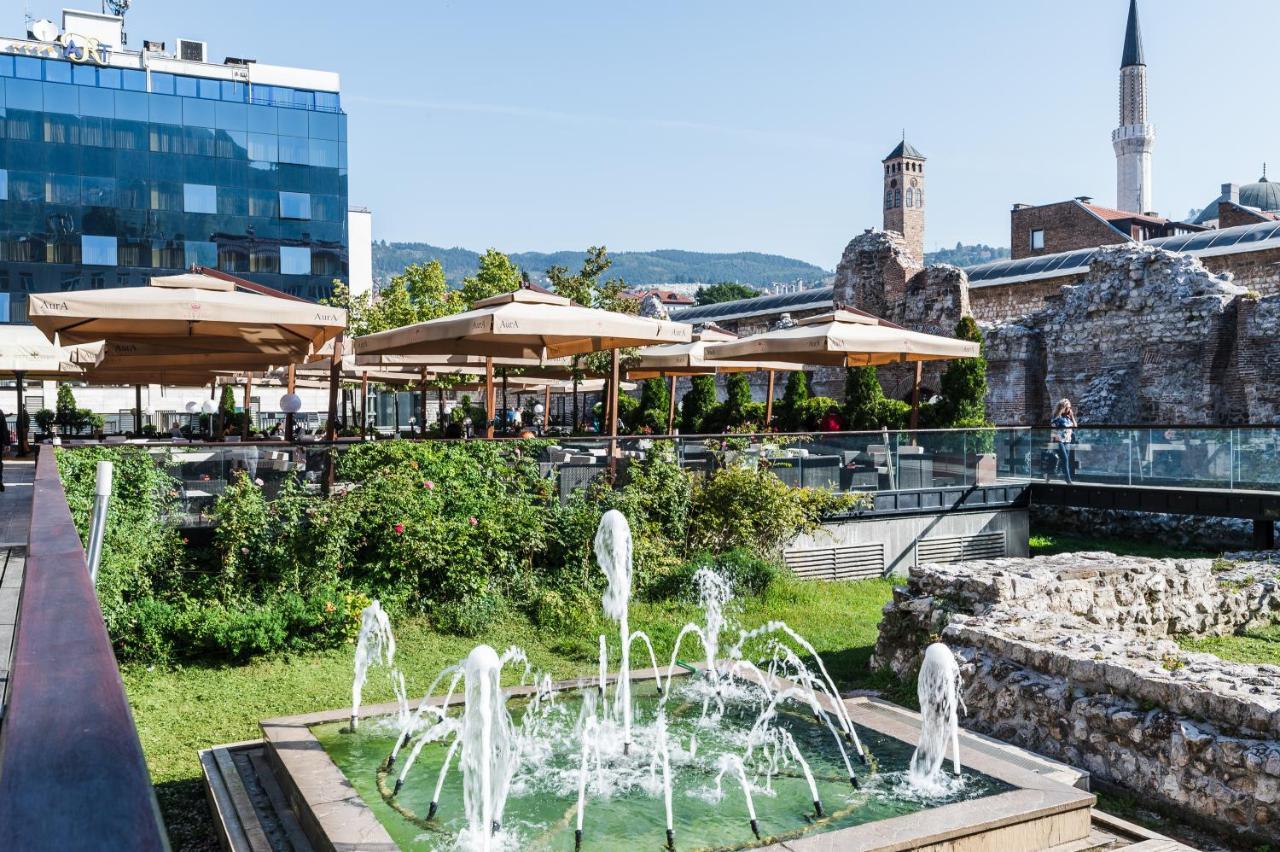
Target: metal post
546, 407
364, 404
489, 401
671, 408
288, 415
137, 410
768, 403
248, 393
21, 380
915, 397
422, 405
335, 378
98, 527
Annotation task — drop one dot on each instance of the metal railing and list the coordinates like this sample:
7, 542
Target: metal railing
1229, 458
72, 771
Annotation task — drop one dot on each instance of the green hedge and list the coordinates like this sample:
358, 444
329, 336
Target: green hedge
457, 531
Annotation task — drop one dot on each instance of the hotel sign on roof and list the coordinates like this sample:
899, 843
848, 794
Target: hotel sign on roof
76, 48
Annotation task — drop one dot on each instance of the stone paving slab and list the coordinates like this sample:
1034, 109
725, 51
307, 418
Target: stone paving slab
12, 562
15, 502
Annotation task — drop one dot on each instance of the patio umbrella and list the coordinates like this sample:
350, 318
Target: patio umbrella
847, 338
690, 359
525, 323
25, 353
193, 314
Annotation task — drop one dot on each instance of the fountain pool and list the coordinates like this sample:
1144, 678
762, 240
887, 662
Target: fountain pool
625, 798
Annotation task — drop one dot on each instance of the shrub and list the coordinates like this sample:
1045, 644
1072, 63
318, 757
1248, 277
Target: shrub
651, 412
741, 508
791, 409
748, 573
813, 410
697, 403
470, 615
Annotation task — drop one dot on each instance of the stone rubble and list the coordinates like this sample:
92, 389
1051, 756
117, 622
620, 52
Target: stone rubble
1070, 656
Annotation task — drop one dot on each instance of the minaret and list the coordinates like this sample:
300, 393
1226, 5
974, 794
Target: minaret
904, 196
1135, 137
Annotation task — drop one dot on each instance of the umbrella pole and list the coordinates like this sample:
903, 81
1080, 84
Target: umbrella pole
137, 410
331, 431
288, 415
395, 398
546, 408
915, 397
613, 399
671, 408
23, 447
248, 392
489, 400
768, 405
364, 404
422, 405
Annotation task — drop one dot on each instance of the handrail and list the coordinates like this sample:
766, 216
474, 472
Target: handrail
72, 771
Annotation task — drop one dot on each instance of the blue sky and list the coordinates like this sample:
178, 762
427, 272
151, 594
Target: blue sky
744, 125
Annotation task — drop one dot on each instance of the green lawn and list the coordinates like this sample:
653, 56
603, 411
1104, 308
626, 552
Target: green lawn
1260, 645
1049, 543
182, 709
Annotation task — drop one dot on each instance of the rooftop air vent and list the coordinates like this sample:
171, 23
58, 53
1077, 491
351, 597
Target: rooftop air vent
153, 46
1084, 199
192, 51
236, 60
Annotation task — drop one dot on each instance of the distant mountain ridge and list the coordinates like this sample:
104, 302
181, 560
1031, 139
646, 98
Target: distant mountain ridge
637, 268
963, 255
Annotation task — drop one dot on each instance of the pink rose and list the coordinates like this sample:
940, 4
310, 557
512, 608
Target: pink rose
472, 520
399, 528
429, 485
245, 551
257, 482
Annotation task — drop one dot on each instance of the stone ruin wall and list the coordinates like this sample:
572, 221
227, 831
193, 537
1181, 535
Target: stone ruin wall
1068, 656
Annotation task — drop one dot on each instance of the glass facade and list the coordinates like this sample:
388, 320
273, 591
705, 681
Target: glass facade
109, 176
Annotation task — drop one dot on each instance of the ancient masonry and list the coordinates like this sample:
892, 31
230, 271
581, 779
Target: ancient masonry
1146, 336
1068, 656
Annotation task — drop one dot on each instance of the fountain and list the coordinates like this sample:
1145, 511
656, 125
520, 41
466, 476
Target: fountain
541, 763
938, 691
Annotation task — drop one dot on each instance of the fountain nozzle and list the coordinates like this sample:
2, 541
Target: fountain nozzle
396, 790
495, 827
671, 838
817, 808
755, 828
626, 748
577, 840
853, 779
355, 719
431, 811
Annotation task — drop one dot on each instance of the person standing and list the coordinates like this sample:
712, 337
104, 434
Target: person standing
4, 445
1064, 426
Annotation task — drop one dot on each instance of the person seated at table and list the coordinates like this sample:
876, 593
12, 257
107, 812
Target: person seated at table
175, 429
831, 421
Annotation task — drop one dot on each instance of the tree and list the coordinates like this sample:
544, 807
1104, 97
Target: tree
495, 274
227, 410
791, 409
725, 291
963, 391
697, 403
589, 289
655, 404
66, 415
863, 397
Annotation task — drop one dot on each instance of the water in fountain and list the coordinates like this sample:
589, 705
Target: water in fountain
487, 764
714, 594
613, 552
375, 645
937, 689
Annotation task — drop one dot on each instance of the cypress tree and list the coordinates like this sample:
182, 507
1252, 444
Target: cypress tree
697, 403
796, 394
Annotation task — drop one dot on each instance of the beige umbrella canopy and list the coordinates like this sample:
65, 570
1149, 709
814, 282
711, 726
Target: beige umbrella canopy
849, 338
526, 323
25, 353
690, 359
845, 339
189, 313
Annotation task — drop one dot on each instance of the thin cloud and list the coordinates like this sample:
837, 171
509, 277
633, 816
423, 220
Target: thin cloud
784, 139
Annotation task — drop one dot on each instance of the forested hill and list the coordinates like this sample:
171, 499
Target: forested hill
638, 268
963, 255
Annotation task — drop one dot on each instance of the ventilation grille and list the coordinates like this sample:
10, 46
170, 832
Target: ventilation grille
960, 548
848, 562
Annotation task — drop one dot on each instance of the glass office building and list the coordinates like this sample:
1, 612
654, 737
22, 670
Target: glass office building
118, 166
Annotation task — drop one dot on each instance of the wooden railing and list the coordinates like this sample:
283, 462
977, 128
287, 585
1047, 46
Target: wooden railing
72, 772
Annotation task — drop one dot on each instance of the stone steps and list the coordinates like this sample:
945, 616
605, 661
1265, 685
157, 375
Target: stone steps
250, 809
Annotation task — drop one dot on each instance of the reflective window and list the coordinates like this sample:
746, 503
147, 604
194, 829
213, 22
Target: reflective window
6, 66
133, 81
187, 87
161, 84
1037, 239
4, 184
264, 147
57, 72
295, 260
324, 153
294, 150
97, 251
199, 253
98, 191
81, 75
295, 205
199, 198
28, 68
109, 78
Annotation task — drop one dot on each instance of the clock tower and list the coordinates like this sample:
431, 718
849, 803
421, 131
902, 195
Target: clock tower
904, 197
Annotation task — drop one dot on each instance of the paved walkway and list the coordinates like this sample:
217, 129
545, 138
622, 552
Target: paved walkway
15, 503
15, 515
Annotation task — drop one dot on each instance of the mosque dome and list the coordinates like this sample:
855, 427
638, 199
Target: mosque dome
1263, 194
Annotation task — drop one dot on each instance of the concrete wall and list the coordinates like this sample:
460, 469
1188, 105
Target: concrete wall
901, 535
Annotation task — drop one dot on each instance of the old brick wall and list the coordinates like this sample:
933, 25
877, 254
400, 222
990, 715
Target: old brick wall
1015, 375
1006, 302
1067, 226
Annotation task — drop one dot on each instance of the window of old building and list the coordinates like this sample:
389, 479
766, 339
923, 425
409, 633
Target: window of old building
1037, 238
